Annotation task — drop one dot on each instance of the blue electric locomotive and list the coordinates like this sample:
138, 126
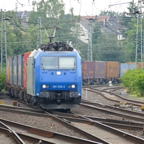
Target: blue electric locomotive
54, 77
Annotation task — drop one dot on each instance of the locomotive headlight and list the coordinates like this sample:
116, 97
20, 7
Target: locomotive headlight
73, 86
58, 73
44, 86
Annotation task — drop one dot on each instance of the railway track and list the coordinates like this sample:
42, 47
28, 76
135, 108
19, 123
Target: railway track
32, 134
104, 131
90, 137
87, 129
113, 97
11, 137
110, 122
61, 122
123, 113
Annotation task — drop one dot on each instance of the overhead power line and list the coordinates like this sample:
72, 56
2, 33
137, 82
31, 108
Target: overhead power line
19, 3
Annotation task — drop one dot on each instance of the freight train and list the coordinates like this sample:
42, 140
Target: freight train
100, 72
48, 77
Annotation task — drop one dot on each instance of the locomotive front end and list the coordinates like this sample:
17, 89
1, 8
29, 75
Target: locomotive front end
58, 79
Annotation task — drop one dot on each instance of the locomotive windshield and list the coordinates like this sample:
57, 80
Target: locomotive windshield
58, 63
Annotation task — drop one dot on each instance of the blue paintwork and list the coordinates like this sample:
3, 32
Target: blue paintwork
57, 82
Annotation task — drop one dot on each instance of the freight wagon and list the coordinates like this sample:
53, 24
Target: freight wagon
100, 72
16, 75
124, 67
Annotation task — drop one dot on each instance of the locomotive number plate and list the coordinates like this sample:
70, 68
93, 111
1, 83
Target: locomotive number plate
58, 86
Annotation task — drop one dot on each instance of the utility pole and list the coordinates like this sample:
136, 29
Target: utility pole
89, 52
3, 42
139, 46
39, 33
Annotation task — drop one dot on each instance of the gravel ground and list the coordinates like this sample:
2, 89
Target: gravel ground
123, 93
138, 133
49, 124
91, 112
39, 122
9, 101
98, 98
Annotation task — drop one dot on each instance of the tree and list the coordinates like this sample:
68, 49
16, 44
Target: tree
126, 17
133, 80
109, 48
14, 34
53, 16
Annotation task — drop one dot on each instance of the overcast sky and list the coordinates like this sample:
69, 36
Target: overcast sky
82, 7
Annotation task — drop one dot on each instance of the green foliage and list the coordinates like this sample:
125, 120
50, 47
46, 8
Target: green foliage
22, 34
133, 80
2, 81
52, 15
107, 48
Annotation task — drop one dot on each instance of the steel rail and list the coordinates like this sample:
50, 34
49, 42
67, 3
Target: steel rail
115, 113
45, 133
111, 129
17, 108
120, 125
119, 132
99, 92
114, 108
11, 133
111, 122
90, 136
113, 93
77, 117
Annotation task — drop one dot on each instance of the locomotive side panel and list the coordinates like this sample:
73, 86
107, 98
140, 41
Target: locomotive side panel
30, 76
88, 69
112, 70
100, 70
20, 70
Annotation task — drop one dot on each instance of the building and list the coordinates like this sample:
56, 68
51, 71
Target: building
109, 25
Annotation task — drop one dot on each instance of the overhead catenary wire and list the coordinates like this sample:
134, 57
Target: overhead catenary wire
19, 3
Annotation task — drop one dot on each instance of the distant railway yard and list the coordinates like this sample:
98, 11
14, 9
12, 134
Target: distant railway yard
71, 78
106, 115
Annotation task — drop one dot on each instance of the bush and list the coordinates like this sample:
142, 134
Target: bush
2, 81
133, 80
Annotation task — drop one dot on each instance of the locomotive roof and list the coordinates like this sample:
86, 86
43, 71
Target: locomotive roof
56, 46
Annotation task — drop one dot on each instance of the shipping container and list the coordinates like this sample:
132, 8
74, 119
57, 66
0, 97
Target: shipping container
8, 71
100, 69
88, 69
124, 67
15, 70
139, 65
132, 66
11, 70
20, 70
25, 56
112, 70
